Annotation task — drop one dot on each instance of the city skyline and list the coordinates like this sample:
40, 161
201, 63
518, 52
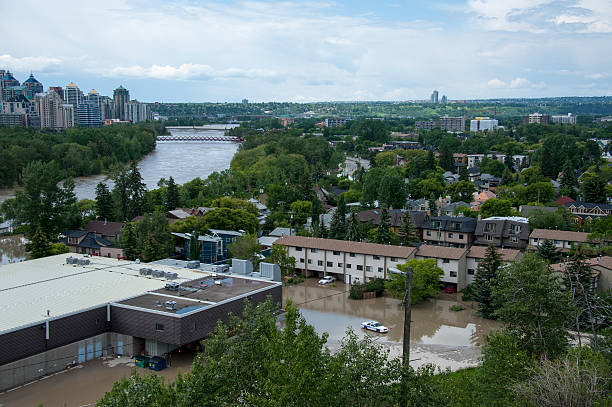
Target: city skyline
316, 51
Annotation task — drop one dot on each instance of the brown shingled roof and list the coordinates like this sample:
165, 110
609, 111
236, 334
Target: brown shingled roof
558, 235
479, 252
403, 252
104, 228
441, 252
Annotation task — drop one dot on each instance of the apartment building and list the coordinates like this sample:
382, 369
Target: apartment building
563, 239
589, 211
477, 253
455, 231
351, 262
451, 260
452, 123
510, 231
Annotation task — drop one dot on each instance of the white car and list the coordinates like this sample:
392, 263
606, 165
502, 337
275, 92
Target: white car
327, 280
374, 326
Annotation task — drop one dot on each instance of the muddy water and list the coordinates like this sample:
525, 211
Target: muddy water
12, 249
438, 335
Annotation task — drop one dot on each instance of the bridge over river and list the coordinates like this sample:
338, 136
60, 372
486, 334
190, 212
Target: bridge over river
200, 133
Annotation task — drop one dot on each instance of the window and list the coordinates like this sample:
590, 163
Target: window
450, 235
376, 257
535, 240
336, 253
453, 274
513, 239
309, 261
490, 227
314, 250
339, 264
380, 270
330, 264
393, 258
301, 260
368, 268
428, 233
351, 254
359, 267
320, 262
557, 241
298, 249
445, 261
489, 237
159, 327
470, 272
348, 265
460, 236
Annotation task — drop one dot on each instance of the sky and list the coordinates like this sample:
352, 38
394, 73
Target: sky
306, 51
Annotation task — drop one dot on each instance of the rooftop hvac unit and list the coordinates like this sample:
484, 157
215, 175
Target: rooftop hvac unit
270, 270
242, 266
193, 264
157, 273
171, 275
71, 260
171, 305
172, 286
82, 262
145, 271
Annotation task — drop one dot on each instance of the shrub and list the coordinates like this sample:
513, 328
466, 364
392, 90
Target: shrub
457, 308
377, 286
356, 292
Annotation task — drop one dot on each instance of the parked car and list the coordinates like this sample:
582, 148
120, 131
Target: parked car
374, 326
449, 289
327, 280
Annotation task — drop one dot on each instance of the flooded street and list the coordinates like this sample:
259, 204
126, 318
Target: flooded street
438, 335
12, 249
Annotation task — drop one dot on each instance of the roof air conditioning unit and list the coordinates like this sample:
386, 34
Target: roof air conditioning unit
171, 305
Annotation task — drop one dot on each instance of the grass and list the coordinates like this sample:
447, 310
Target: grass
457, 308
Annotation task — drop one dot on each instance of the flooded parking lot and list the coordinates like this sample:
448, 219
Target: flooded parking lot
12, 249
438, 335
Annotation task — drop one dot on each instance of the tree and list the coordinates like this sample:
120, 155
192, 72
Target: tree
139, 391
385, 159
383, 232
485, 282
496, 207
593, 188
559, 220
194, 246
40, 246
152, 235
42, 203
104, 202
548, 251
506, 178
463, 173
172, 195
534, 306
301, 210
408, 233
246, 247
129, 242
231, 219
568, 180
425, 280
278, 255
353, 232
555, 151
337, 229
461, 191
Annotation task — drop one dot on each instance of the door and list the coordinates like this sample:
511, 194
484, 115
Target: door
347, 278
81, 353
90, 351
119, 347
98, 352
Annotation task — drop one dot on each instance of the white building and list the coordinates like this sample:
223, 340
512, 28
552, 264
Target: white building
562, 239
477, 253
483, 123
351, 262
452, 260
52, 111
569, 119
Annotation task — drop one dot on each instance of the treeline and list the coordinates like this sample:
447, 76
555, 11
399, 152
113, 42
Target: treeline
78, 151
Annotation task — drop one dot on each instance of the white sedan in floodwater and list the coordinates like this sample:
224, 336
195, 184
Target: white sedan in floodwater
374, 326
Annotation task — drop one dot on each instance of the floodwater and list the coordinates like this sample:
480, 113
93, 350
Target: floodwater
183, 160
438, 335
12, 249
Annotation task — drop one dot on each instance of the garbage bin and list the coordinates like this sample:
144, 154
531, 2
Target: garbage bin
157, 363
142, 361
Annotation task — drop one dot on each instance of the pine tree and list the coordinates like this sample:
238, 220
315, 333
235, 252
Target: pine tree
463, 174
341, 207
407, 232
431, 161
104, 202
136, 191
148, 250
509, 162
40, 246
172, 195
129, 242
433, 208
337, 228
353, 232
383, 233
568, 180
506, 178
548, 251
578, 281
485, 280
194, 246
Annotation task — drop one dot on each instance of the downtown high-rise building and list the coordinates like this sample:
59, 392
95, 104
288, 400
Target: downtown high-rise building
52, 111
434, 97
88, 112
73, 95
137, 112
121, 96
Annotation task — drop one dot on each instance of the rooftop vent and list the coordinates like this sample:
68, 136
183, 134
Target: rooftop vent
145, 271
171, 305
172, 286
171, 275
157, 273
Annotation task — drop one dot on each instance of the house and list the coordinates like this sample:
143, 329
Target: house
474, 174
396, 217
477, 253
280, 232
82, 241
211, 247
562, 239
6, 228
450, 178
178, 214
457, 231
602, 271
481, 198
351, 262
451, 260
110, 231
449, 209
228, 237
589, 211
417, 204
488, 182
500, 231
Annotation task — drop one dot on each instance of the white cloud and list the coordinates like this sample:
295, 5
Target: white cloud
496, 83
595, 76
186, 72
27, 63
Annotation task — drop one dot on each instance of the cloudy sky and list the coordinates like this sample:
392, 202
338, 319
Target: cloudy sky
198, 51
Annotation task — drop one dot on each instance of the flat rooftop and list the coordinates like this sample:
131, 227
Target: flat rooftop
31, 288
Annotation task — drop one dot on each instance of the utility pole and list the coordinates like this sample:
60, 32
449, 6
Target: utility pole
406, 342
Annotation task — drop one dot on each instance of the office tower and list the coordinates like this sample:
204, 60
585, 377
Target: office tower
73, 95
121, 96
482, 124
107, 108
434, 97
444, 99
88, 112
569, 119
59, 90
52, 111
137, 112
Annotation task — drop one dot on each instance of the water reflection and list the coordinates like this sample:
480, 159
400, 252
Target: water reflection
12, 249
433, 323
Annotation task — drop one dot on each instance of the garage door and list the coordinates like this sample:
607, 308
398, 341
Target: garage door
98, 352
81, 353
119, 347
90, 351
